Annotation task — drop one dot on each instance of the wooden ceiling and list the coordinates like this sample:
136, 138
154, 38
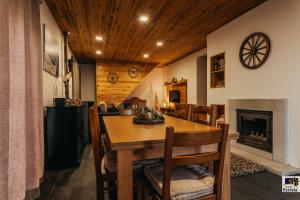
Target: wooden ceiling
181, 24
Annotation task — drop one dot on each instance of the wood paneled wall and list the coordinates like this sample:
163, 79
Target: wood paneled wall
182, 87
116, 93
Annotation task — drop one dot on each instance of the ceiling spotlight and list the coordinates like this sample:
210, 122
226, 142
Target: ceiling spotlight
159, 43
99, 38
146, 55
98, 52
143, 18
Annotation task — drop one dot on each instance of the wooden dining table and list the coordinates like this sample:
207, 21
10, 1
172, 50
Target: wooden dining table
138, 142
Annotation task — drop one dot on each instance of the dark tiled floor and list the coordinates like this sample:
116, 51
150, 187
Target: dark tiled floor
261, 186
71, 184
80, 184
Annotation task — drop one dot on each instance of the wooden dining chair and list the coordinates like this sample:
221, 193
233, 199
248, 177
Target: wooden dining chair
127, 112
183, 177
181, 111
129, 103
190, 108
201, 113
103, 176
103, 154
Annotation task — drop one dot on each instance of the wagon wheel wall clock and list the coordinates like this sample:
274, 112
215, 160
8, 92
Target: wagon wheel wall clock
133, 72
255, 50
112, 77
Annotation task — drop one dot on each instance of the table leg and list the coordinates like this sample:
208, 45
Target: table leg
125, 176
226, 192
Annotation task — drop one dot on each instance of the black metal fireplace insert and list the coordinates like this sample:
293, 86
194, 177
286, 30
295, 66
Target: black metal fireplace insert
255, 128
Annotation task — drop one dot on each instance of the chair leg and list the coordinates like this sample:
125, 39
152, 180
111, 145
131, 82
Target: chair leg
112, 190
145, 193
100, 189
210, 167
139, 189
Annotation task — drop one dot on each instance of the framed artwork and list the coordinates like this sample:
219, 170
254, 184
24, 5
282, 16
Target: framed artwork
50, 52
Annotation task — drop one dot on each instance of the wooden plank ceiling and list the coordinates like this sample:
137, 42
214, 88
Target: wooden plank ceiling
181, 24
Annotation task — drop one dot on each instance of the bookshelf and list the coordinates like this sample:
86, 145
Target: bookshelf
217, 71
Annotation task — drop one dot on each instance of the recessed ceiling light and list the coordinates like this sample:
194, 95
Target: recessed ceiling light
159, 43
146, 55
99, 38
144, 18
98, 52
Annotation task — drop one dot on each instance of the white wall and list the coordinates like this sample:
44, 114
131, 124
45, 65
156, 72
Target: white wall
201, 80
151, 85
52, 86
88, 82
278, 77
186, 68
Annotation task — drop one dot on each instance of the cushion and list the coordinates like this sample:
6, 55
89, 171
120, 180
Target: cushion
102, 107
187, 182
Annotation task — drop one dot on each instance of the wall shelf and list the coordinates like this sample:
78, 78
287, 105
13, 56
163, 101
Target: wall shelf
178, 83
217, 71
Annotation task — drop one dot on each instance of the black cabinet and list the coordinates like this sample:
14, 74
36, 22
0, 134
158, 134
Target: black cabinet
64, 136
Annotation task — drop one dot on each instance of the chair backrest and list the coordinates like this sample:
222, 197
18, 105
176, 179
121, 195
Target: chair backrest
200, 114
127, 112
181, 110
98, 150
190, 111
184, 111
188, 139
128, 103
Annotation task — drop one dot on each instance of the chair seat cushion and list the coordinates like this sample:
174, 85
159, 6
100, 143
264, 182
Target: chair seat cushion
110, 162
188, 182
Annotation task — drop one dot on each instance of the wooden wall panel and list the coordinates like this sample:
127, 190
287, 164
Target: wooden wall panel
116, 93
182, 87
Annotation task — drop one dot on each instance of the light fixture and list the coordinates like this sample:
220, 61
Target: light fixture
146, 55
98, 52
144, 18
99, 38
159, 43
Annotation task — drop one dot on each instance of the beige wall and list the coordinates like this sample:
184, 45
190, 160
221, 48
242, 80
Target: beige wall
201, 80
52, 86
76, 81
151, 85
278, 77
88, 82
186, 68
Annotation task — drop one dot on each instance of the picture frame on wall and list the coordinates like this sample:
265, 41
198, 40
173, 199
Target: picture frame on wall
50, 52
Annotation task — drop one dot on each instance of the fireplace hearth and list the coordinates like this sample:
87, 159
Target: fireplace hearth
255, 128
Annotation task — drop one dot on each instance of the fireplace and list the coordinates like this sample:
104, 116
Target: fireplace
256, 129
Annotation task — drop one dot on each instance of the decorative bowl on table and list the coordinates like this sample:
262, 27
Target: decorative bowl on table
147, 116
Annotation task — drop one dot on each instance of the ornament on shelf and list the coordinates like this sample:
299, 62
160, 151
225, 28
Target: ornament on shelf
155, 102
174, 80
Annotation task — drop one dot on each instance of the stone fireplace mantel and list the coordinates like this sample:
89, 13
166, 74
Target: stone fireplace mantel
279, 107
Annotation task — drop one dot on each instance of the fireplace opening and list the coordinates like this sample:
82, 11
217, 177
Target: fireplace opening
255, 128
